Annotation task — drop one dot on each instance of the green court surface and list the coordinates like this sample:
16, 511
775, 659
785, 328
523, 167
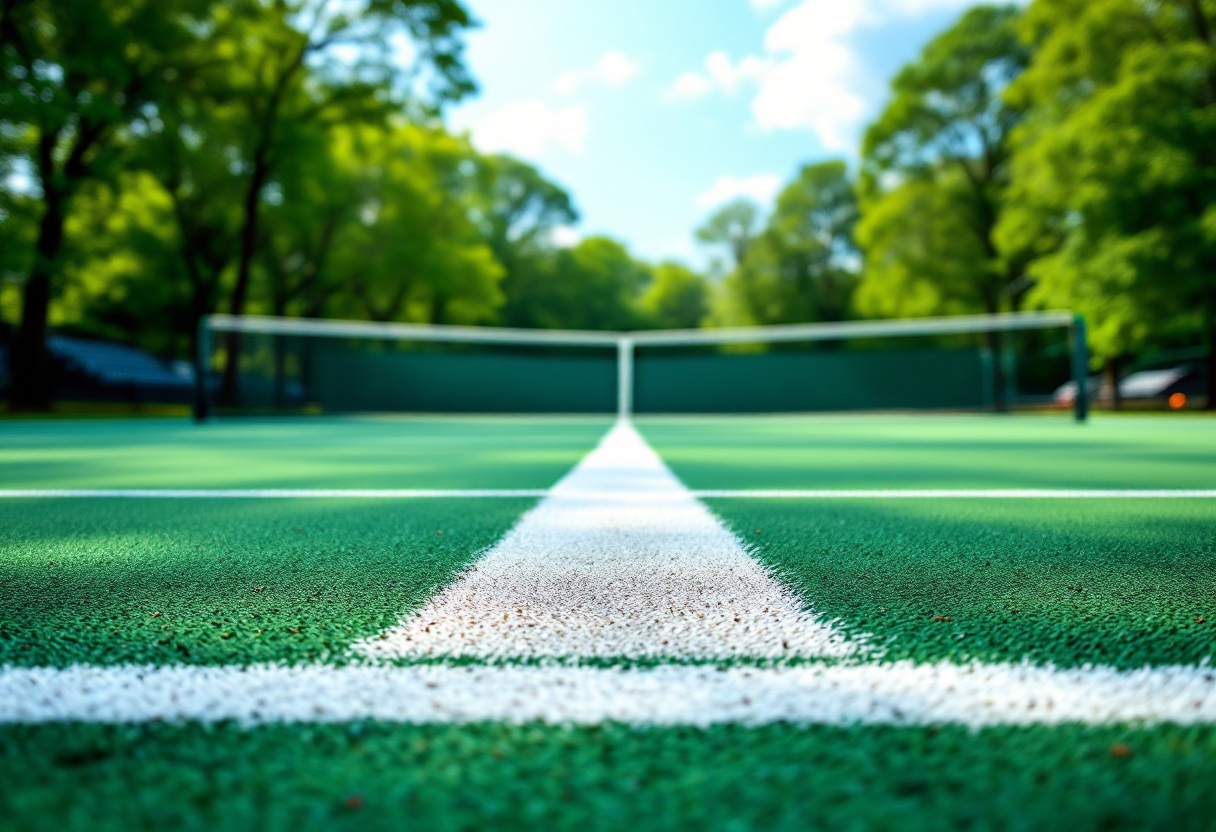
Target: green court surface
1122, 583
1068, 582
373, 776
859, 451
369, 452
153, 581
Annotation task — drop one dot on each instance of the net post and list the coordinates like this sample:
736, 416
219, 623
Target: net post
624, 379
1080, 369
200, 370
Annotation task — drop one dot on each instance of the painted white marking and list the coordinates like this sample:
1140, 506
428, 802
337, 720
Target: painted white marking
755, 493
902, 693
286, 493
986, 493
619, 561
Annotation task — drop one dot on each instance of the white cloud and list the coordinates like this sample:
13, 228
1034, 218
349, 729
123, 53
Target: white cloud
613, 69
530, 128
760, 188
720, 74
691, 85
810, 76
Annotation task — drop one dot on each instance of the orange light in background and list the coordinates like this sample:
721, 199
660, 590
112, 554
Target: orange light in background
1177, 401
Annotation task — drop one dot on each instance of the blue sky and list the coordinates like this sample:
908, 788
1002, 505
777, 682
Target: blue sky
651, 112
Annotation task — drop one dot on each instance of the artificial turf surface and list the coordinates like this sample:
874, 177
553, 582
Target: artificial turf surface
369, 452
861, 451
374, 776
155, 581
1117, 582
1114, 582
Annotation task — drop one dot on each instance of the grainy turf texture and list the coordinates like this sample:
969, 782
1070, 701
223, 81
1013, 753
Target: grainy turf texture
164, 582
1123, 583
377, 776
918, 452
142, 687
354, 452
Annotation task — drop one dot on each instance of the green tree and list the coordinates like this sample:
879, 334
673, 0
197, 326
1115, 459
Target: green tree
522, 207
935, 165
188, 149
733, 226
122, 273
315, 200
293, 64
922, 257
677, 298
801, 267
520, 211
593, 285
412, 250
1114, 188
73, 76
18, 229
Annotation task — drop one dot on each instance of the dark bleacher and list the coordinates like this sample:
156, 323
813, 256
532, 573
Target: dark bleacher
106, 371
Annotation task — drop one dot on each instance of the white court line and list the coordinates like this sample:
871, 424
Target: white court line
285, 493
990, 493
458, 493
901, 694
619, 561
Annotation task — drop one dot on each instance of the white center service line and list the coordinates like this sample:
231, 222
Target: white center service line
618, 561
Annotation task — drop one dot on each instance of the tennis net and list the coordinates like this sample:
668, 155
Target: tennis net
253, 364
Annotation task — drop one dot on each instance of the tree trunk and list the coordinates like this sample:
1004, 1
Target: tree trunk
249, 239
198, 301
29, 365
1112, 381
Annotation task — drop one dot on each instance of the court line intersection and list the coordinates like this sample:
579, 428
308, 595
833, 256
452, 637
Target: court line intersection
619, 560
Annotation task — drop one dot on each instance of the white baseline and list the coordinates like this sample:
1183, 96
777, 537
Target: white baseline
900, 694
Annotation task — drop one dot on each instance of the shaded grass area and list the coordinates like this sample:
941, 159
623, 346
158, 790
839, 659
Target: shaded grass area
224, 581
483, 776
1111, 582
924, 451
304, 452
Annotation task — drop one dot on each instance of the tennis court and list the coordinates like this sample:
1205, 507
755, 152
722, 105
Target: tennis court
462, 622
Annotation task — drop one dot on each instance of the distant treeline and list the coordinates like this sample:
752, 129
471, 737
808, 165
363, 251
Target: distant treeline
164, 159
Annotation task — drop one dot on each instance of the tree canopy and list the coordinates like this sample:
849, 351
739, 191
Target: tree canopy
935, 169
1114, 174
160, 161
801, 266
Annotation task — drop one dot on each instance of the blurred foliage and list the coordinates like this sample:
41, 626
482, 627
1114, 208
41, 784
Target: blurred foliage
677, 298
802, 265
1114, 172
162, 161
935, 168
733, 226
